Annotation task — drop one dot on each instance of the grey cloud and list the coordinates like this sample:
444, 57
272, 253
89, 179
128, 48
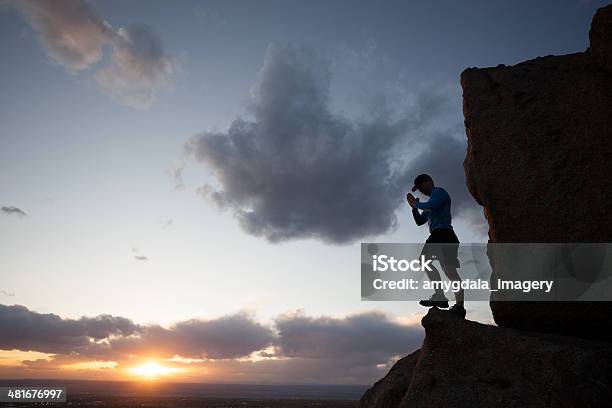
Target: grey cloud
53, 363
103, 326
176, 175
69, 30
138, 64
74, 36
6, 293
231, 336
227, 337
294, 169
23, 329
138, 256
368, 336
357, 349
10, 210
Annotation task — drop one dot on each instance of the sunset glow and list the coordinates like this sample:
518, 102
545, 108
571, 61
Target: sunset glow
153, 370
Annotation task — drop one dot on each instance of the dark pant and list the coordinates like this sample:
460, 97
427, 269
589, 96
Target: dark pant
443, 245
447, 253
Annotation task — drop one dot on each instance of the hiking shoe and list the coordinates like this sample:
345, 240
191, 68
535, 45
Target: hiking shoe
458, 310
435, 300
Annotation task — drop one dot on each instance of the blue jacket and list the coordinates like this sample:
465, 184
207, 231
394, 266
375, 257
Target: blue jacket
436, 211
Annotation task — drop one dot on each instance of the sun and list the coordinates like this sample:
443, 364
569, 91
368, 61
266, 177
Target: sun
152, 371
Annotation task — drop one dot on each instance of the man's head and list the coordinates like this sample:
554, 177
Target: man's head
424, 183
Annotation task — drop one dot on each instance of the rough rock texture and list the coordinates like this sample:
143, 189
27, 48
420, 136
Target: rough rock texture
468, 364
600, 38
539, 161
389, 391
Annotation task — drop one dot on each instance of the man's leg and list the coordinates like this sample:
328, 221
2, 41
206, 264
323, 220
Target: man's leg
434, 276
438, 298
451, 272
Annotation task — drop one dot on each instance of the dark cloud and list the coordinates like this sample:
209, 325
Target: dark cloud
297, 347
231, 336
294, 169
10, 210
26, 330
74, 36
371, 335
227, 337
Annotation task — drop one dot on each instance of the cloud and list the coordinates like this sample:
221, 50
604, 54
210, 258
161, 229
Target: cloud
231, 336
344, 350
74, 36
25, 330
69, 31
167, 223
227, 337
294, 347
294, 169
10, 210
138, 256
369, 334
176, 175
6, 293
138, 64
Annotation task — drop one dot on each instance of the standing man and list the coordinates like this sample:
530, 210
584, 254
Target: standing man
442, 243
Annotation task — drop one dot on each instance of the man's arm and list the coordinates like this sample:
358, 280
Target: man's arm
419, 218
436, 199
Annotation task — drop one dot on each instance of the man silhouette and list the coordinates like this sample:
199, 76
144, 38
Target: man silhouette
442, 243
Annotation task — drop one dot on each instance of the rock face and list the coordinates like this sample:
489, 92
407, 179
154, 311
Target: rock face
600, 38
539, 161
389, 391
468, 364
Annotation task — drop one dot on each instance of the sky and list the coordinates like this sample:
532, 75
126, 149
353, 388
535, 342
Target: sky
185, 186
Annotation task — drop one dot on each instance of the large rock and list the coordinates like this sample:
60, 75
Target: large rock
600, 37
468, 364
389, 391
539, 161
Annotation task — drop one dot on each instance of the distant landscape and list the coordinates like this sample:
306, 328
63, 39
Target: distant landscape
160, 394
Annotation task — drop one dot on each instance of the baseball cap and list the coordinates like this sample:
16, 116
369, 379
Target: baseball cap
419, 179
